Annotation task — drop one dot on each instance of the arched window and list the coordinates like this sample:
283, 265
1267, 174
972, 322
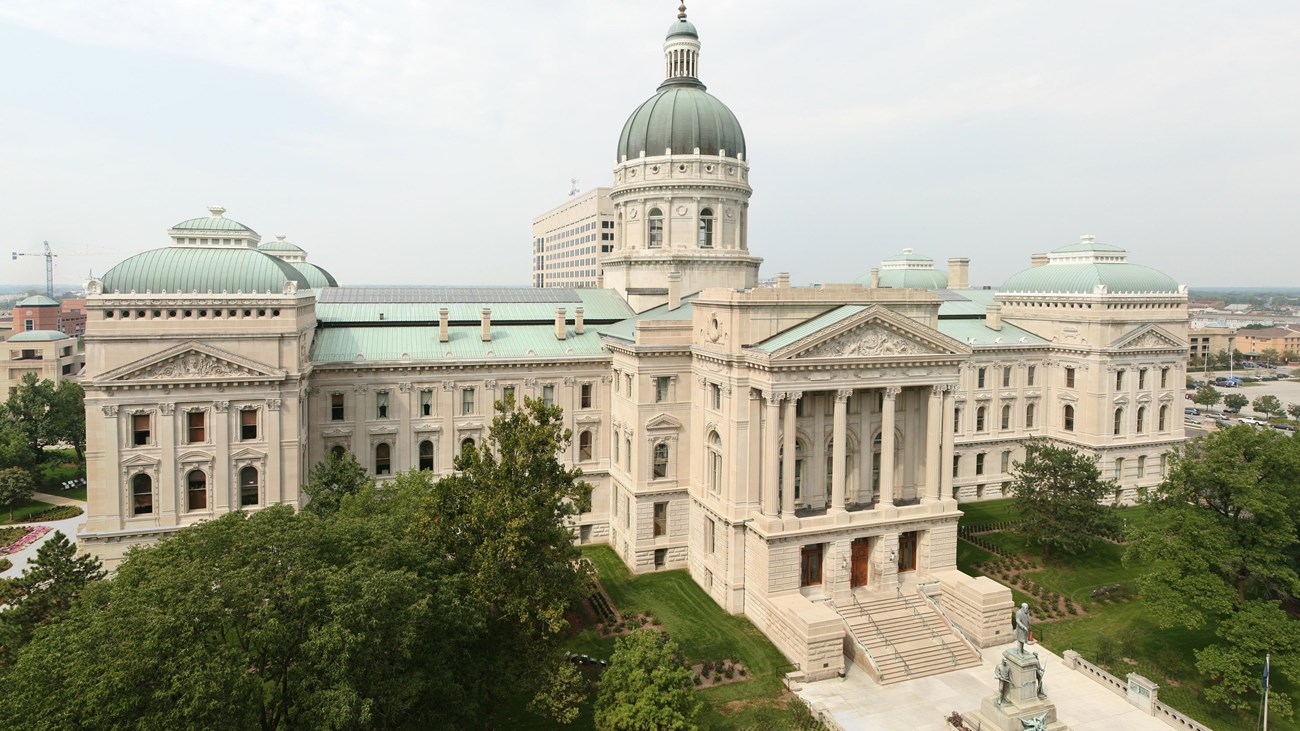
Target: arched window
383, 459
1141, 419
248, 484
1142, 466
706, 228
141, 494
1006, 416
614, 446
196, 490
655, 224
426, 455
466, 443
1029, 416
1068, 421
337, 452
1164, 417
979, 418
584, 446
660, 461
1119, 421
715, 462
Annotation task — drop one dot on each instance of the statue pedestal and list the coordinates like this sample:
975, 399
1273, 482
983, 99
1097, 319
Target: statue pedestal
1023, 703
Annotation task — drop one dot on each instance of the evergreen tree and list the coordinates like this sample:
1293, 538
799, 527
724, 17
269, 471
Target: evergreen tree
1061, 497
45, 592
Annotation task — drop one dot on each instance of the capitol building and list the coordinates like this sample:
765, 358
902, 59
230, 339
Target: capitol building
802, 451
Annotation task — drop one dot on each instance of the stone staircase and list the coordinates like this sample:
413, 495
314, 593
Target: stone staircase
906, 637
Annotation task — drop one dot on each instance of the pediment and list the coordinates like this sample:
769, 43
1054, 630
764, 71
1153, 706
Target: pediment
1147, 337
193, 361
140, 460
875, 332
663, 421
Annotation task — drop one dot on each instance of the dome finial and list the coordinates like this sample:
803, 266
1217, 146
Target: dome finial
681, 11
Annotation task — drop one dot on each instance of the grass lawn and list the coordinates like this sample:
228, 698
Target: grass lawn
988, 511
22, 511
77, 493
705, 632
1120, 637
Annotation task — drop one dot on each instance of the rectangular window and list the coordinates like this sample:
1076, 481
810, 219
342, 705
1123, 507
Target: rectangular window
548, 394
585, 396
716, 392
956, 421
508, 395
426, 402
1164, 377
247, 424
1142, 378
956, 464
661, 558
979, 464
467, 401
1069, 377
810, 565
1006, 376
140, 430
1006, 462
1029, 375
661, 388
979, 377
381, 405
336, 407
1119, 380
710, 537
194, 426
661, 519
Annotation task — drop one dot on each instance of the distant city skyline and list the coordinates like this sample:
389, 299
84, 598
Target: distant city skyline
415, 144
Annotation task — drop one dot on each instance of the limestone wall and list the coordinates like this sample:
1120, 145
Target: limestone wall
980, 606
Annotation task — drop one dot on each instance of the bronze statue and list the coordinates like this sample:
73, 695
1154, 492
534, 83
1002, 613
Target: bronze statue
1002, 673
1023, 621
1038, 723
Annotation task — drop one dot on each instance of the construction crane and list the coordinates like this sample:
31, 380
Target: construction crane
49, 267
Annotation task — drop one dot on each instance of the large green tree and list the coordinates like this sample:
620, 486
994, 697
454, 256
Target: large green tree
15, 450
1236, 401
1220, 534
1061, 497
45, 591
1268, 405
1207, 396
67, 417
332, 480
647, 687
16, 487
29, 406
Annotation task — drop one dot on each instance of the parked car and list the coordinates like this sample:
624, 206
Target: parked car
1192, 411
1227, 410
1249, 420
1284, 427
1222, 423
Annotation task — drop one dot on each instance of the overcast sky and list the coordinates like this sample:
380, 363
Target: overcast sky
413, 142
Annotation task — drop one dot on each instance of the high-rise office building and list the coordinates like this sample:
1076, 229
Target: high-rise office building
570, 241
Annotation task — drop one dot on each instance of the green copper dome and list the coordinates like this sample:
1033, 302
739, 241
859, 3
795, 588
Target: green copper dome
681, 117
682, 27
202, 269
281, 246
317, 277
1081, 267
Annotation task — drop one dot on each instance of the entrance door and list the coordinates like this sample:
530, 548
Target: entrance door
861, 560
907, 551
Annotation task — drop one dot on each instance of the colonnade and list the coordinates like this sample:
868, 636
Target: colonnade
780, 430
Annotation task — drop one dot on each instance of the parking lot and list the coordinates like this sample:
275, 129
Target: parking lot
1287, 391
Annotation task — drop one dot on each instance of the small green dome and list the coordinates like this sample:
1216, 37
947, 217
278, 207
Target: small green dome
38, 336
202, 269
36, 300
913, 278
682, 27
681, 117
317, 277
214, 221
1081, 267
280, 246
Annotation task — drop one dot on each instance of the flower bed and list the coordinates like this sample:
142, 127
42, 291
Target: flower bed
32, 534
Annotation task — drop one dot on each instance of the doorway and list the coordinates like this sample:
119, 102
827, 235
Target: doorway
859, 575
907, 551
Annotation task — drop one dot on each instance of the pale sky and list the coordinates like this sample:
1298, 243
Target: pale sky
413, 142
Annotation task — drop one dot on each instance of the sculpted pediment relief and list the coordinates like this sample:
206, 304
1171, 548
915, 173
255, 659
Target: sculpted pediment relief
1147, 338
192, 361
866, 341
875, 332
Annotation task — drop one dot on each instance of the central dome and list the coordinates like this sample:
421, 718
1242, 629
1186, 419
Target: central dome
681, 117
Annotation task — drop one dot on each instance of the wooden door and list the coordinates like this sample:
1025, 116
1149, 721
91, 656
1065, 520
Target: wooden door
861, 561
907, 551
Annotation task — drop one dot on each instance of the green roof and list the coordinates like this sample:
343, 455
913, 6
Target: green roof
808, 327
1086, 245
626, 329
975, 333
682, 27
212, 223
317, 277
681, 117
909, 255
280, 246
508, 304
1082, 278
38, 336
420, 343
910, 278
202, 269
970, 302
36, 300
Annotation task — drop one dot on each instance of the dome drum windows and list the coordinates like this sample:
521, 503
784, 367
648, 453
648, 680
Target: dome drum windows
706, 229
655, 229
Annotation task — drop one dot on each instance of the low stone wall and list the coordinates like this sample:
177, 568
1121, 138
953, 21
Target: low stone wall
809, 634
1139, 691
980, 606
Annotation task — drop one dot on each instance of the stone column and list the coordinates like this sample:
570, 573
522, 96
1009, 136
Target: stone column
887, 448
933, 442
274, 452
168, 485
788, 456
221, 481
945, 465
771, 447
839, 443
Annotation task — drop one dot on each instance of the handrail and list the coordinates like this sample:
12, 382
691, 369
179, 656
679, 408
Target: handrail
906, 668
960, 632
880, 674
933, 635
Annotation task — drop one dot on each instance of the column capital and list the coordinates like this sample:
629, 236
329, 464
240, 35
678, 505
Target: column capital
891, 392
793, 395
938, 389
771, 395
842, 395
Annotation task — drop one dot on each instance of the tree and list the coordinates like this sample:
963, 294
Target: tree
67, 417
28, 405
647, 687
1059, 493
1235, 401
1270, 355
1268, 405
15, 451
1290, 356
1294, 411
45, 592
1206, 396
333, 479
1220, 535
16, 488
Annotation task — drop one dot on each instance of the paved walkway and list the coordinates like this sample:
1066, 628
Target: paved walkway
858, 704
46, 497
68, 526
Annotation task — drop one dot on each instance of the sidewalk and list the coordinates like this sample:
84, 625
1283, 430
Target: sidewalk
45, 497
68, 526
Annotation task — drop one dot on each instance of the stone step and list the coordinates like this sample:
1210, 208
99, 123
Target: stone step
906, 637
